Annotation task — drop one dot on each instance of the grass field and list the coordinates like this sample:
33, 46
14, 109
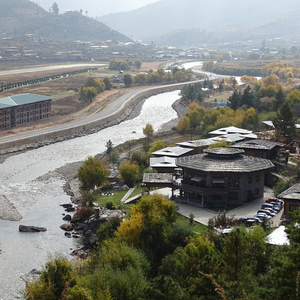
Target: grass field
116, 197
196, 227
221, 97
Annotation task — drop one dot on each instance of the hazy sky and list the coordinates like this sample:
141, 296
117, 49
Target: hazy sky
95, 7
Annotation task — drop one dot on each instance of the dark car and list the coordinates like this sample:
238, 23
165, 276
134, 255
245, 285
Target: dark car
241, 221
252, 221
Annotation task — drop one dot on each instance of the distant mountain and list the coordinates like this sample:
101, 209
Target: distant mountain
18, 17
173, 17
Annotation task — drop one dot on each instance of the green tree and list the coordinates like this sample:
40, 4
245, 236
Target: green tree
108, 83
183, 124
89, 92
282, 185
116, 271
195, 116
149, 227
285, 264
247, 97
129, 173
128, 79
109, 147
92, 173
279, 99
55, 276
294, 96
234, 101
148, 132
119, 64
140, 79
285, 121
137, 64
100, 86
239, 262
184, 266
181, 76
253, 56
157, 146
55, 9
208, 65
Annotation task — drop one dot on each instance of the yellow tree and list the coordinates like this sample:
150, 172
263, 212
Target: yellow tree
92, 173
147, 226
148, 131
183, 124
129, 173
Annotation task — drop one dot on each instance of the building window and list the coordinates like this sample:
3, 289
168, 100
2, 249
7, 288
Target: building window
293, 207
250, 179
256, 192
233, 183
257, 178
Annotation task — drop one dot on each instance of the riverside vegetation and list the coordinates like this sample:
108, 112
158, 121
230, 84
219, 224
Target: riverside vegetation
151, 256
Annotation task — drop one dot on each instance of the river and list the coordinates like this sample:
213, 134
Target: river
37, 200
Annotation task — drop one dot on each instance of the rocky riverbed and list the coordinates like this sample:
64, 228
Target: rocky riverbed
69, 171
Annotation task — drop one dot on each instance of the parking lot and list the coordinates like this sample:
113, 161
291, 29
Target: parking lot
202, 215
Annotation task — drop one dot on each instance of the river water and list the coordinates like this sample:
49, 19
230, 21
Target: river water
38, 200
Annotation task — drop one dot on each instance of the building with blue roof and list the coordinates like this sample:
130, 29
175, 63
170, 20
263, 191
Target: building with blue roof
24, 109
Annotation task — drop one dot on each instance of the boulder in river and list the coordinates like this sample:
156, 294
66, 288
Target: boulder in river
24, 228
67, 227
67, 218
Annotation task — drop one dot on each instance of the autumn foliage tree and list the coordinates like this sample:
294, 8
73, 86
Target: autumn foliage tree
92, 173
129, 173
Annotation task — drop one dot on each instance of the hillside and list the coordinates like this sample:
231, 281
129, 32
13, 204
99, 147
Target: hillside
220, 16
19, 17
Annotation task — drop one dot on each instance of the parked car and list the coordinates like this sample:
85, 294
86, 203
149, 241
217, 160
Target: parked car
252, 221
273, 200
268, 212
263, 206
241, 220
262, 216
277, 205
272, 210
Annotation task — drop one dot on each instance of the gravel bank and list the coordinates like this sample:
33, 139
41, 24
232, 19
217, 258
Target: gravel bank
68, 172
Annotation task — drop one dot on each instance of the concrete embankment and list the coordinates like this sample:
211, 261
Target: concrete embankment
36, 140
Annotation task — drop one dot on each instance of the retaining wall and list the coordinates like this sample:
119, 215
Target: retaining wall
74, 131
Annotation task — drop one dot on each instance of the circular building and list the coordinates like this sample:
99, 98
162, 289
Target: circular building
222, 176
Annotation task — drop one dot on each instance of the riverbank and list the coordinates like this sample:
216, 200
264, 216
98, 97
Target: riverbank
68, 172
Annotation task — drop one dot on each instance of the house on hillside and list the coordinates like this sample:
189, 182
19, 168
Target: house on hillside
260, 148
233, 130
172, 152
24, 109
291, 198
163, 164
222, 176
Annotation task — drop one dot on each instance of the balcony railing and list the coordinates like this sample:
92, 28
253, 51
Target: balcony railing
200, 190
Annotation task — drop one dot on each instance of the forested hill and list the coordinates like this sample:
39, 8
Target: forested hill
18, 17
220, 16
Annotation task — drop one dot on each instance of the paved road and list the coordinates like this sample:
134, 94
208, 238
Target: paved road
48, 68
110, 110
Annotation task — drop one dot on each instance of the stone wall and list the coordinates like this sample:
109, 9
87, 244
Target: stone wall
39, 140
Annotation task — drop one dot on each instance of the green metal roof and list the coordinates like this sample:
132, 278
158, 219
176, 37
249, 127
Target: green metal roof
22, 99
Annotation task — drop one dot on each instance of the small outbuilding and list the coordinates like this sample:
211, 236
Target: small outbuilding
291, 198
260, 148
